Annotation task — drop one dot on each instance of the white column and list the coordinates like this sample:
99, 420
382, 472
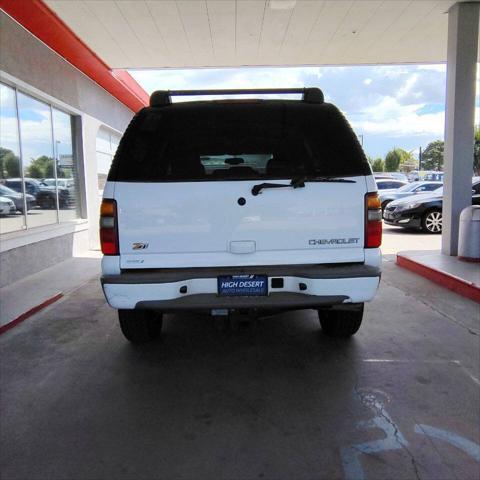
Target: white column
463, 21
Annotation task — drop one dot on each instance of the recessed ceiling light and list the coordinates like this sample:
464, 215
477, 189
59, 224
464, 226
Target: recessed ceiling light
282, 4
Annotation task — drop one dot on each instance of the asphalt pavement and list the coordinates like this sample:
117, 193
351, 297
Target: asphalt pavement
274, 399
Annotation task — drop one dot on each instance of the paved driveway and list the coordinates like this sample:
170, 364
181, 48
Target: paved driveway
273, 401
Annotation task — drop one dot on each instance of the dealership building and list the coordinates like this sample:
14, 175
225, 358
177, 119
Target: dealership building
59, 126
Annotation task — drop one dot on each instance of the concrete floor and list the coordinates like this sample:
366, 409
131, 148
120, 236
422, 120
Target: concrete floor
399, 238
280, 401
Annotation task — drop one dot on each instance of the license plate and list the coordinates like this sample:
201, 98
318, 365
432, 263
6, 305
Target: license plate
242, 285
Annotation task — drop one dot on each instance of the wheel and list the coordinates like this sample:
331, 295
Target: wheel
341, 321
47, 203
140, 326
384, 205
432, 221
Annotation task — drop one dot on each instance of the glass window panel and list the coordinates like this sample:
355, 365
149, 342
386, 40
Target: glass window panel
37, 156
114, 143
11, 200
103, 166
103, 141
67, 174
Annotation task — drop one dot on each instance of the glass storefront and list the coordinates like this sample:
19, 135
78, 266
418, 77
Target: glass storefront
38, 165
106, 145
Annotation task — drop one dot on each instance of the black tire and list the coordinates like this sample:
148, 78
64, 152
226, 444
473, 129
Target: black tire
341, 322
140, 326
384, 205
48, 203
432, 221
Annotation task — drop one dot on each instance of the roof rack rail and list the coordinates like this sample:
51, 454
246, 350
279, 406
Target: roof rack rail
161, 98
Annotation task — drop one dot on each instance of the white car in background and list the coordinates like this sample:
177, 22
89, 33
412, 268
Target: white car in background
389, 185
7, 206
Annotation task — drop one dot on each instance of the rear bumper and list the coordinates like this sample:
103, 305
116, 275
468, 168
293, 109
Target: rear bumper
304, 286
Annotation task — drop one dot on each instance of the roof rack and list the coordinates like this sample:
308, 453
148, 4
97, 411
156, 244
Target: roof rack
161, 98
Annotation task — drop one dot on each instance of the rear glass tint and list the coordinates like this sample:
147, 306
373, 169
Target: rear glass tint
210, 141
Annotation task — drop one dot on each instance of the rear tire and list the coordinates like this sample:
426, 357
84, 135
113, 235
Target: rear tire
47, 203
341, 322
140, 326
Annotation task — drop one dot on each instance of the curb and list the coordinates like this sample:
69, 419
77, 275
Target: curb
446, 280
30, 312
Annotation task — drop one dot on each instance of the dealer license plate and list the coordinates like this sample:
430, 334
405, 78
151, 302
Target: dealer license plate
242, 285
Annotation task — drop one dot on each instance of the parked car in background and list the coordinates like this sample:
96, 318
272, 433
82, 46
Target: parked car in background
425, 175
394, 175
436, 176
17, 198
413, 176
61, 182
6, 206
423, 211
384, 184
413, 188
45, 195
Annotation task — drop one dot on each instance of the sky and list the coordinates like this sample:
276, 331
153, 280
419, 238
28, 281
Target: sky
390, 106
35, 126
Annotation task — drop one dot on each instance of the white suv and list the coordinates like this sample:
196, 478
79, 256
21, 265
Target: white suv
243, 205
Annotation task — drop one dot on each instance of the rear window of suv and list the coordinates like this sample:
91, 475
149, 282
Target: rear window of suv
211, 141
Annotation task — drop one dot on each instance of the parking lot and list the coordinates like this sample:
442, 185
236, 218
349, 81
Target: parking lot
275, 399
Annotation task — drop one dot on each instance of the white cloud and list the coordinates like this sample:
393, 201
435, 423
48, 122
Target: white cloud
434, 67
367, 81
389, 117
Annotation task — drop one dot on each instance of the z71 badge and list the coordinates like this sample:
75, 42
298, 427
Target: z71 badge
139, 246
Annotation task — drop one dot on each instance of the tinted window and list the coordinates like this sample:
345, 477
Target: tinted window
236, 141
431, 187
17, 186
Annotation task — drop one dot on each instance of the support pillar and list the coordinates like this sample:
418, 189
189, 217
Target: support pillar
463, 19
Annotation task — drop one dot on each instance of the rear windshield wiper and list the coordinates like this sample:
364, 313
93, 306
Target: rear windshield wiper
298, 182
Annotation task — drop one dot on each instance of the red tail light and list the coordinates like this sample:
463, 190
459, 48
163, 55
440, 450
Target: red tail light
373, 221
108, 227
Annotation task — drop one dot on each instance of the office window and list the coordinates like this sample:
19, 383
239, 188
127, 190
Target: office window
12, 204
36, 138
38, 165
106, 146
67, 178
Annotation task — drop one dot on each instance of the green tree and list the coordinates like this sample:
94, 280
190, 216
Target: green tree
408, 162
432, 157
9, 164
41, 167
378, 165
394, 158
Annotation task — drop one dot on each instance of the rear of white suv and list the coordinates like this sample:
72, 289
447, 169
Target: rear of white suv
247, 205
